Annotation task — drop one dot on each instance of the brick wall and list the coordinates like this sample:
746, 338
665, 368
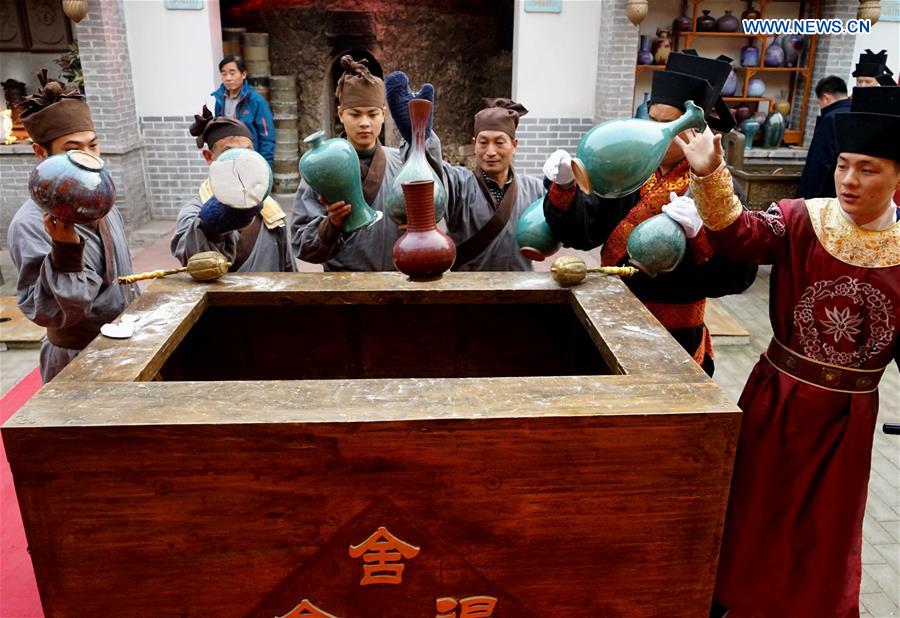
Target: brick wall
834, 56
538, 137
16, 163
615, 69
174, 167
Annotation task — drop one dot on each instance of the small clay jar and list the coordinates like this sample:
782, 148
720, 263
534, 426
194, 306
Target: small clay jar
706, 23
727, 23
750, 13
681, 24
662, 46
423, 252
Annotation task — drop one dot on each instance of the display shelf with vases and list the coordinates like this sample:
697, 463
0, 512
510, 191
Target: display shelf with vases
798, 92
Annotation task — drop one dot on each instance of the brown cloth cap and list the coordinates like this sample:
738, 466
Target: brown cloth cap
54, 111
210, 130
357, 87
499, 115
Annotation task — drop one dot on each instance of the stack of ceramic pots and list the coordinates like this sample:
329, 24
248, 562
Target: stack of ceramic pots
256, 57
283, 89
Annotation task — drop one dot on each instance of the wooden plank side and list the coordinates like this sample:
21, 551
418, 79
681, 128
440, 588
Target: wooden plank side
613, 516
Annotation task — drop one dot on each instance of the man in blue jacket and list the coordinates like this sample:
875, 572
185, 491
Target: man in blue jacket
237, 99
817, 179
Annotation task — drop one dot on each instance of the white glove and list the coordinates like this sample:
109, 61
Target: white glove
558, 168
240, 178
684, 211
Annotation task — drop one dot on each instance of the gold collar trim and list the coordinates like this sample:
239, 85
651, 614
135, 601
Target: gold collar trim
849, 243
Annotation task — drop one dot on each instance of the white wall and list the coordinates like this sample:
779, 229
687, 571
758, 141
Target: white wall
555, 59
24, 65
174, 56
884, 35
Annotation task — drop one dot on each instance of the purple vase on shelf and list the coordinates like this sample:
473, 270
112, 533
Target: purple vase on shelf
742, 112
682, 24
792, 44
727, 23
774, 54
750, 13
645, 56
731, 84
756, 88
706, 23
750, 55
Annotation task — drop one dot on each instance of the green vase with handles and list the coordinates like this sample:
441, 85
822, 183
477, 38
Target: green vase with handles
536, 240
331, 168
656, 245
617, 156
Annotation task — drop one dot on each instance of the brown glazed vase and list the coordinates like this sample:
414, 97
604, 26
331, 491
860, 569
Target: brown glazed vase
423, 252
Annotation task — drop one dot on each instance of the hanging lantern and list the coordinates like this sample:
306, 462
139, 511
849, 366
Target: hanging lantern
636, 11
869, 9
75, 9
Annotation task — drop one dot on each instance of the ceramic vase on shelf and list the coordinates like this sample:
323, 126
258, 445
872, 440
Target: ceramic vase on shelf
749, 128
534, 237
415, 168
643, 110
617, 156
774, 54
742, 112
792, 44
682, 24
731, 84
645, 56
73, 186
423, 252
756, 87
656, 245
727, 23
773, 130
662, 46
706, 22
331, 168
782, 106
750, 13
760, 118
750, 55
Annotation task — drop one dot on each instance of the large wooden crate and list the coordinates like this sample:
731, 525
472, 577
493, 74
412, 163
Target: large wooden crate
482, 445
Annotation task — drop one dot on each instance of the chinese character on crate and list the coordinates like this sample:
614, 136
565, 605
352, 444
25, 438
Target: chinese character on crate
307, 610
381, 554
469, 607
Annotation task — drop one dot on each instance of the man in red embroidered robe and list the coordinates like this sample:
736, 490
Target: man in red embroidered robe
793, 532
677, 298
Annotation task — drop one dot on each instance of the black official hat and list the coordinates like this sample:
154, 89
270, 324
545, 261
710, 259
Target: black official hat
689, 77
873, 123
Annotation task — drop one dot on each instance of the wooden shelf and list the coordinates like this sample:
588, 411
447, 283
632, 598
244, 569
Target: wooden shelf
775, 69
751, 99
721, 34
649, 67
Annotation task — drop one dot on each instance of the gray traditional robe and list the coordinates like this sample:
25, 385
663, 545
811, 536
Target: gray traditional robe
468, 210
271, 252
366, 250
72, 305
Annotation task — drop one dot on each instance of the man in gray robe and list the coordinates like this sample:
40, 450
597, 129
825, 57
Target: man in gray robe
66, 272
317, 236
484, 206
253, 240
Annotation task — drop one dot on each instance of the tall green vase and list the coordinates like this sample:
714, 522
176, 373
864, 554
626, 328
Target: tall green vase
415, 168
536, 240
331, 168
617, 156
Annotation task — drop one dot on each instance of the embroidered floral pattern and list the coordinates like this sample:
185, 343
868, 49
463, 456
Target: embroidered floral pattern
773, 218
849, 243
716, 202
865, 321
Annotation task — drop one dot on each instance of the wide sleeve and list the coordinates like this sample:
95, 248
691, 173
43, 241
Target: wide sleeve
754, 237
455, 179
189, 238
313, 237
55, 288
580, 220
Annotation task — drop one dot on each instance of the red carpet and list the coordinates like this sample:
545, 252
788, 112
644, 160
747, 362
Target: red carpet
18, 590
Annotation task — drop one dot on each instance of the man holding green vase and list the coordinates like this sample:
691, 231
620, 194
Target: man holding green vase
677, 298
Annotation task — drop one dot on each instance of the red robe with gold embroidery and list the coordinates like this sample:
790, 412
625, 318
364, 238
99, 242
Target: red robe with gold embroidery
793, 532
677, 298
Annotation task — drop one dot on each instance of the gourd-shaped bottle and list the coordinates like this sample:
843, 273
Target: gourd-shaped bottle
536, 240
617, 156
643, 110
423, 252
73, 186
656, 245
415, 168
331, 168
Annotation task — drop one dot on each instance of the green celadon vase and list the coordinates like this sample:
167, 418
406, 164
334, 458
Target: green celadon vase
535, 238
617, 156
656, 245
331, 168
